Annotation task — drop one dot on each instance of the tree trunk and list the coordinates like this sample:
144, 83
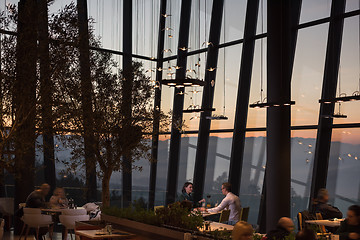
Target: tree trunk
46, 91
106, 189
25, 102
2, 183
86, 95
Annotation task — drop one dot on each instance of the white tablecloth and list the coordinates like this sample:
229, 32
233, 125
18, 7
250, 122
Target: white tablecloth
328, 223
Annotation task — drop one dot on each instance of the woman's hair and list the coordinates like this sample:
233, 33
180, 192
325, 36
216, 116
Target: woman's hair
241, 229
185, 186
355, 209
56, 190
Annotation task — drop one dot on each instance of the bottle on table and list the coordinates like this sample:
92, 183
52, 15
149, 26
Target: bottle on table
71, 203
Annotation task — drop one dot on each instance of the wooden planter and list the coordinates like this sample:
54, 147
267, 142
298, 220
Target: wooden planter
144, 228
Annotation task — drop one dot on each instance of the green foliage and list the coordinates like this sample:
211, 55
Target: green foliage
177, 216
290, 237
221, 235
134, 213
174, 215
257, 236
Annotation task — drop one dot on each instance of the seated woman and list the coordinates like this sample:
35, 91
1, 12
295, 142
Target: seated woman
59, 200
186, 195
242, 231
350, 228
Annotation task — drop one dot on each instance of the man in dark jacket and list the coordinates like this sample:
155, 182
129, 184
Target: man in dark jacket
284, 228
36, 199
321, 206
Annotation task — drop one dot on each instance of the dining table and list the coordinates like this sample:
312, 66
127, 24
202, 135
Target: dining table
98, 234
220, 226
327, 223
55, 211
211, 216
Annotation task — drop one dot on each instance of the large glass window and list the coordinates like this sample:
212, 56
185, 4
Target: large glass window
349, 71
343, 180
352, 5
187, 159
217, 167
308, 74
162, 169
107, 22
234, 20
226, 87
252, 177
313, 10
302, 162
257, 117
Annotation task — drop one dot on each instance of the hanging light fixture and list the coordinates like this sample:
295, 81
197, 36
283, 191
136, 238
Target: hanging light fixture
354, 97
187, 82
217, 117
269, 104
336, 115
197, 109
342, 96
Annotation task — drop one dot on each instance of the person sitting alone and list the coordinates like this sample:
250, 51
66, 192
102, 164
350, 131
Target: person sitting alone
284, 228
58, 199
242, 231
187, 195
231, 202
36, 199
305, 234
321, 206
350, 227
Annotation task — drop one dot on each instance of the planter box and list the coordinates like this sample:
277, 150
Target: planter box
144, 228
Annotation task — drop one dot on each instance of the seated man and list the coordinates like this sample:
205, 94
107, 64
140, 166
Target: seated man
36, 199
350, 228
231, 201
321, 206
284, 228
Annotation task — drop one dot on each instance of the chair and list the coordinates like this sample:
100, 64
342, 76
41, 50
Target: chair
34, 219
2, 223
302, 217
322, 227
68, 218
156, 208
22, 205
300, 221
224, 216
7, 209
79, 211
244, 214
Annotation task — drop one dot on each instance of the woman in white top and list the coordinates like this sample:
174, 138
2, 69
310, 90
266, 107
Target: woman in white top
58, 199
231, 201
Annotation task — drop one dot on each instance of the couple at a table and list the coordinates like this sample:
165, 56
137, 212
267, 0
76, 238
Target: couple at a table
231, 201
36, 199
